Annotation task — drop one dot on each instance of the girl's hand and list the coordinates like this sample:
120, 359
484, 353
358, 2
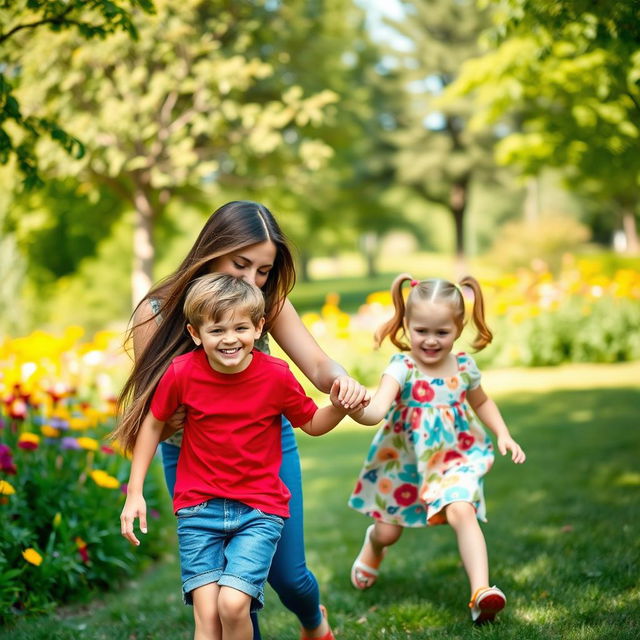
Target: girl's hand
351, 393
507, 443
134, 507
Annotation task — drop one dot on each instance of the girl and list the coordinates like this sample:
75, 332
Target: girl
243, 239
426, 463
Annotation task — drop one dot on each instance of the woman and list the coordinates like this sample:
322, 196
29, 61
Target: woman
243, 239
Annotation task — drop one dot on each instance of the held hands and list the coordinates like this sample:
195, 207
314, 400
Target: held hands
507, 443
349, 394
134, 507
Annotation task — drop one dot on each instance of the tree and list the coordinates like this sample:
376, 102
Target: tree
182, 108
569, 73
437, 154
93, 19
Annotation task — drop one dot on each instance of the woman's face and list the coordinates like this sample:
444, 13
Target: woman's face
252, 263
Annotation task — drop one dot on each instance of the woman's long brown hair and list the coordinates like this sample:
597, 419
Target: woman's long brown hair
230, 228
434, 290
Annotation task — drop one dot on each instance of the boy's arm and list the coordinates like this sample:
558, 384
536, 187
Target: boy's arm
143, 452
487, 410
326, 418
380, 403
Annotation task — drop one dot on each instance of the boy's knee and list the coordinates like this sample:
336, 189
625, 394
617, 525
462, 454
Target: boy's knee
233, 605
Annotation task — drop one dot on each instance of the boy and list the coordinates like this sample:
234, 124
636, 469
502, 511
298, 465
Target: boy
229, 499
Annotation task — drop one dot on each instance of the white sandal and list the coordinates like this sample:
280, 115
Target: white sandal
362, 575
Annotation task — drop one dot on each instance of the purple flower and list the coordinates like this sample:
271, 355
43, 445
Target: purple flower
69, 443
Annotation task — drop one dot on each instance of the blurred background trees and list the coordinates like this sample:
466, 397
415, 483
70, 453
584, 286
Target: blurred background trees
501, 132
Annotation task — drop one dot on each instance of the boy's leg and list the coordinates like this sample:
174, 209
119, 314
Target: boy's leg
205, 612
233, 609
170, 453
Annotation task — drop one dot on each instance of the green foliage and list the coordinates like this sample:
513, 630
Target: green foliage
568, 73
19, 133
61, 512
604, 330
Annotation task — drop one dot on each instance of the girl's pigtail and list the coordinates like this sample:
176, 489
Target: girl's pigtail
483, 335
392, 327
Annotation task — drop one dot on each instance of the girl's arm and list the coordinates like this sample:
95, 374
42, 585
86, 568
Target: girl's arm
290, 333
380, 403
143, 452
487, 410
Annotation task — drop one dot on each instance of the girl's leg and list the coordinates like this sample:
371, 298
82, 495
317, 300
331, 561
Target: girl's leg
378, 536
170, 454
473, 549
205, 612
289, 576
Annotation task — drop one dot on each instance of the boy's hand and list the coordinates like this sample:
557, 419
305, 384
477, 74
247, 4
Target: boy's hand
507, 443
134, 507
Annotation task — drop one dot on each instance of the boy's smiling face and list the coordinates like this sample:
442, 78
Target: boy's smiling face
229, 341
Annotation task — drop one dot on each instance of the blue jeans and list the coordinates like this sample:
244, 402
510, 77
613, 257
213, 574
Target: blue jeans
289, 576
227, 542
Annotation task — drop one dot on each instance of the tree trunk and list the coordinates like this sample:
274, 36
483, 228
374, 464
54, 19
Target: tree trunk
458, 207
369, 244
143, 249
630, 231
303, 265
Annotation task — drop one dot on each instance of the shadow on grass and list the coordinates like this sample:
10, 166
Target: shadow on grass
562, 538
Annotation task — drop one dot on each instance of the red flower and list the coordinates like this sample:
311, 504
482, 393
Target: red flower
422, 391
463, 395
451, 455
465, 440
358, 488
28, 445
405, 494
416, 418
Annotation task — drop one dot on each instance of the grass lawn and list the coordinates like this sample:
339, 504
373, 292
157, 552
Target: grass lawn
562, 536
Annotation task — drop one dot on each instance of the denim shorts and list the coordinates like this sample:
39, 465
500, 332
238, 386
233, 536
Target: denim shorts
227, 542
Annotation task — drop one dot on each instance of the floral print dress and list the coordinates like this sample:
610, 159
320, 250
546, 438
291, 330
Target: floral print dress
430, 451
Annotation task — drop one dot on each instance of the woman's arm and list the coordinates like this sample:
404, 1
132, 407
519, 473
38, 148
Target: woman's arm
290, 333
487, 410
144, 327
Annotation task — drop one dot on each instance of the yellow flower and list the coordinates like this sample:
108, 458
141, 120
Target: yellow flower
49, 432
90, 444
6, 489
57, 519
27, 436
32, 556
78, 424
104, 480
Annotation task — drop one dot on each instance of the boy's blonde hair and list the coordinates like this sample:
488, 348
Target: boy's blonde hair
211, 296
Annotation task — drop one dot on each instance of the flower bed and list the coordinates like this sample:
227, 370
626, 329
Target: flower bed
61, 482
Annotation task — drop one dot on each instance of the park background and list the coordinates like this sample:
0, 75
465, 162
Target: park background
438, 137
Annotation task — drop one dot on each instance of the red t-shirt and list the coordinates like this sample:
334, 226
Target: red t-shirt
232, 435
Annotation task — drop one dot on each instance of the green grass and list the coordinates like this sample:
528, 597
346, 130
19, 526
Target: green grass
562, 536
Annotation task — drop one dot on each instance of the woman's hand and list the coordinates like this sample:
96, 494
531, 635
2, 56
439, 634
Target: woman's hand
350, 393
174, 423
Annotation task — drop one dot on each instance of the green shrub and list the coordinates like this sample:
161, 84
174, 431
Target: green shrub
61, 493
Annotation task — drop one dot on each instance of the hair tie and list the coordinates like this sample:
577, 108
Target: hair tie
413, 283
459, 288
